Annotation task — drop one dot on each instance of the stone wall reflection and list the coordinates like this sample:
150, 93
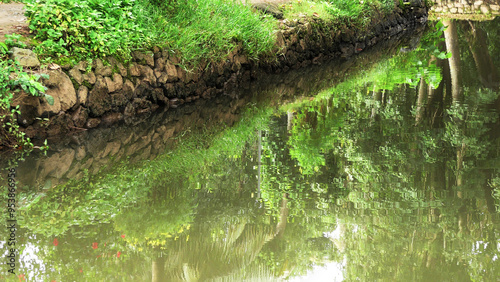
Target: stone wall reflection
72, 157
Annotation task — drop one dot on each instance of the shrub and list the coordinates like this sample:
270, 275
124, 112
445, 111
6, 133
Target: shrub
194, 29
12, 79
83, 28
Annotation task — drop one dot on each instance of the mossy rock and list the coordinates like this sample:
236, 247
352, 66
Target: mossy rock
269, 8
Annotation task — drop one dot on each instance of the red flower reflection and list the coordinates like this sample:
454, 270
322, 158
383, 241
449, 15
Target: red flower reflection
21, 277
123, 236
118, 254
56, 242
94, 245
81, 270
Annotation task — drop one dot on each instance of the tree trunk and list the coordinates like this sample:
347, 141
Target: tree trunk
451, 39
477, 39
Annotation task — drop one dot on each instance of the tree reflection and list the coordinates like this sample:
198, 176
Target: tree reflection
386, 174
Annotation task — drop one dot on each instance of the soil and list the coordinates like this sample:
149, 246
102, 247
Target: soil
12, 20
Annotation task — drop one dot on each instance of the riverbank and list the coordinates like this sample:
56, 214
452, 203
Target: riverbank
108, 90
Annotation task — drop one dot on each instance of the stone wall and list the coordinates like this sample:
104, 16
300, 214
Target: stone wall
107, 91
148, 135
465, 9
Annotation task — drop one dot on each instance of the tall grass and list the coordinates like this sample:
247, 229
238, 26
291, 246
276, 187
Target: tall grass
193, 29
211, 28
348, 13
359, 13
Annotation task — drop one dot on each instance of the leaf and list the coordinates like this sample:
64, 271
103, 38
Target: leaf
49, 99
3, 48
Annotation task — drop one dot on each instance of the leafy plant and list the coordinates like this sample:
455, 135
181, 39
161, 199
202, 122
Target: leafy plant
12, 79
84, 28
14, 40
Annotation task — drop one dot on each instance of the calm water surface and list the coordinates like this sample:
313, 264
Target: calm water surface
385, 167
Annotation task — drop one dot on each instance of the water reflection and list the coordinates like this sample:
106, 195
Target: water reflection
389, 175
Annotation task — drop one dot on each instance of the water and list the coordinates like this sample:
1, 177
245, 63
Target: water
354, 170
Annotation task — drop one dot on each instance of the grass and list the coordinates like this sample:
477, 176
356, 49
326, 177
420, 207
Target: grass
193, 30
297, 8
211, 29
346, 13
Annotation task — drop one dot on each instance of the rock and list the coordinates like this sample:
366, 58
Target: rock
128, 89
158, 74
169, 90
89, 77
116, 65
159, 64
279, 39
59, 124
25, 57
171, 73
111, 118
111, 149
61, 89
101, 69
269, 8
99, 100
145, 153
148, 75
114, 84
57, 164
347, 50
416, 3
76, 75
181, 73
141, 106
134, 70
118, 101
81, 66
104, 71
80, 153
144, 58
80, 117
159, 97
485, 9
303, 45
82, 94
28, 105
93, 123
73, 172
191, 76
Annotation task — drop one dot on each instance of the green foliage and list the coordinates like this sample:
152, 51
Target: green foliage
358, 13
196, 30
468, 124
103, 197
297, 8
14, 40
211, 29
152, 223
12, 79
84, 28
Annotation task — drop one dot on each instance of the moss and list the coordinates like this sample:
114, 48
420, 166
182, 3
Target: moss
87, 84
76, 85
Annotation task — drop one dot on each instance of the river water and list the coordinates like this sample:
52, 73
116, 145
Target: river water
383, 167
